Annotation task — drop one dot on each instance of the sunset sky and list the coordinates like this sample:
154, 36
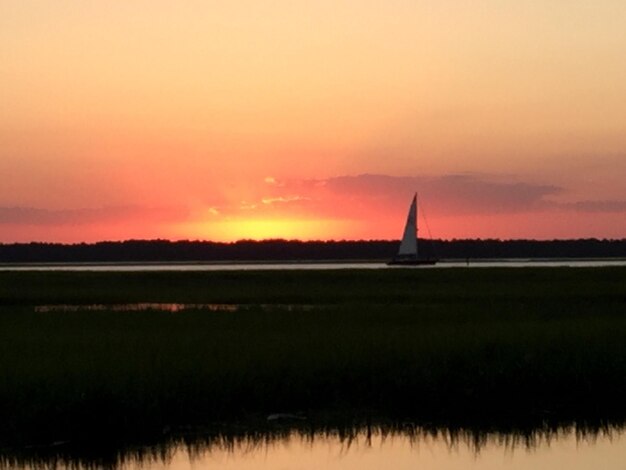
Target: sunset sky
319, 119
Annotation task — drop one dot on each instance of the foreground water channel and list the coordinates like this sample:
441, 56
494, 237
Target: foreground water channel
401, 452
236, 266
437, 450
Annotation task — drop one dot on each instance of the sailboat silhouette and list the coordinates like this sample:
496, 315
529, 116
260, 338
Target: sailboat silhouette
407, 252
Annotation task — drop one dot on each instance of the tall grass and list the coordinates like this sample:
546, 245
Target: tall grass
387, 286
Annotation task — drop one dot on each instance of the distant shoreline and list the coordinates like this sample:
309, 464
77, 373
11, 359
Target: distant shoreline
284, 251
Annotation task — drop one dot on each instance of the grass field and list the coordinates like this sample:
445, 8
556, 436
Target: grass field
485, 348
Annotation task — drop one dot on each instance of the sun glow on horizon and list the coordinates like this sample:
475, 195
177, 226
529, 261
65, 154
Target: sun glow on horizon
232, 230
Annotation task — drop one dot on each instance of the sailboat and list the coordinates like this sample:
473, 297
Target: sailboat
407, 253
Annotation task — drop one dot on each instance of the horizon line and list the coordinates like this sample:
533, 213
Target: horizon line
294, 240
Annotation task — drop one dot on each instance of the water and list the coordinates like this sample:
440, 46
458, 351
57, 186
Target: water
566, 449
123, 267
170, 307
401, 453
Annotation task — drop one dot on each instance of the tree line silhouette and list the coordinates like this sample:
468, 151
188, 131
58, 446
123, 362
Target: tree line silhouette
291, 250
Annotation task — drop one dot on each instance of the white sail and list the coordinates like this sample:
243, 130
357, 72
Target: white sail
408, 246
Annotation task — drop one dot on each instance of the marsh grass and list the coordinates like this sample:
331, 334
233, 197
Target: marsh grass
483, 349
387, 286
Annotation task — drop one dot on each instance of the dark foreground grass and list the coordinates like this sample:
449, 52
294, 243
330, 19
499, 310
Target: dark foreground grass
480, 348
383, 286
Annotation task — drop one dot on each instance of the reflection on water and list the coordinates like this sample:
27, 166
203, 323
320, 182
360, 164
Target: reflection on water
127, 267
367, 448
169, 307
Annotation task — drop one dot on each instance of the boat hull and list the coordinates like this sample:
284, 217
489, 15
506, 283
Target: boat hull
412, 262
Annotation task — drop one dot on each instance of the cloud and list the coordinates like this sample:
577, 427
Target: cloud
595, 206
444, 195
447, 194
361, 198
366, 196
283, 199
36, 216
244, 206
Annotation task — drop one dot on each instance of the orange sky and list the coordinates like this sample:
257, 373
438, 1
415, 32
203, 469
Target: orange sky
298, 119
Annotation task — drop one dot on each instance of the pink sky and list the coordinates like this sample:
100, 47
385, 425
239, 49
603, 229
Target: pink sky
311, 120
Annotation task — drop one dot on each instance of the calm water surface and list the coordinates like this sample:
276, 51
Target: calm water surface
606, 452
514, 263
170, 307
